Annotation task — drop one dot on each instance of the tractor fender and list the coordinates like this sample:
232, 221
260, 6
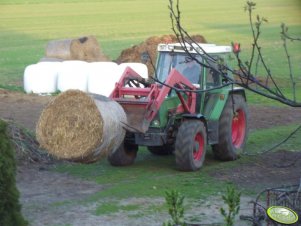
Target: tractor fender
239, 91
197, 116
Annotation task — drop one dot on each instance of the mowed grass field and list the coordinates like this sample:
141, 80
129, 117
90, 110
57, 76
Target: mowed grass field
27, 26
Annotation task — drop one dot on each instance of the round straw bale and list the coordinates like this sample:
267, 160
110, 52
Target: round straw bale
81, 128
87, 49
59, 49
84, 48
46, 59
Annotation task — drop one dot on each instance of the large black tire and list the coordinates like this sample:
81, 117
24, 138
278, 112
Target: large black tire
161, 150
125, 155
190, 147
233, 129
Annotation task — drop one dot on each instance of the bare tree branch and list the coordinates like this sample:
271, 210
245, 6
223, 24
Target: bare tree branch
284, 37
246, 78
284, 32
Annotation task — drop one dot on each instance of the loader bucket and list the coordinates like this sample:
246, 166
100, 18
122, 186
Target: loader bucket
136, 116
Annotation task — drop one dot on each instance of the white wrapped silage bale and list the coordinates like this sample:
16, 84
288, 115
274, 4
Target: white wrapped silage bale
73, 74
29, 72
41, 77
102, 77
140, 68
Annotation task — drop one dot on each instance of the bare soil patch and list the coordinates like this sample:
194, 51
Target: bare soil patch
262, 117
25, 109
268, 170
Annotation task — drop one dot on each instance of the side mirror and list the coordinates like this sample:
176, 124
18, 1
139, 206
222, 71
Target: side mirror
144, 57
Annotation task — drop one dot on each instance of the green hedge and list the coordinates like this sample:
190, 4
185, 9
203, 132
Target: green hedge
10, 208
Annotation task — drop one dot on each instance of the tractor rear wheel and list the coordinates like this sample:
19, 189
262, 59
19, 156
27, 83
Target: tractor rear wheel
124, 155
161, 150
233, 129
190, 147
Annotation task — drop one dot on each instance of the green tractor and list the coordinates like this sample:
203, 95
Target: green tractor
188, 108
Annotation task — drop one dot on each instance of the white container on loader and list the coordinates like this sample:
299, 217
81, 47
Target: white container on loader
102, 77
73, 74
41, 77
140, 68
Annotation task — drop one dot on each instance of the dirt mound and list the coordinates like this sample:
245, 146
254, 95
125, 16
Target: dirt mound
133, 54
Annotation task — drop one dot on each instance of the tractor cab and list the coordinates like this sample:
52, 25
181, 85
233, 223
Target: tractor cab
173, 56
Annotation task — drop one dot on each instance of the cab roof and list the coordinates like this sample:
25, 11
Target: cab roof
194, 48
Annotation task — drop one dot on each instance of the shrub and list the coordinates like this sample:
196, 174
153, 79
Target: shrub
10, 208
174, 200
232, 199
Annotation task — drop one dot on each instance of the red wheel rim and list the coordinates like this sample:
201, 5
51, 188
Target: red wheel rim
238, 128
198, 148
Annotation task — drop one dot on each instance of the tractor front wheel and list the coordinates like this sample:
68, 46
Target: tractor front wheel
124, 155
233, 129
190, 147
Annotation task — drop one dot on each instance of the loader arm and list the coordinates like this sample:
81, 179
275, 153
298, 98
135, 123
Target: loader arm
141, 101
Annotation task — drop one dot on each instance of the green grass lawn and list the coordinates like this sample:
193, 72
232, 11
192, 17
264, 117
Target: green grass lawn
27, 26
152, 175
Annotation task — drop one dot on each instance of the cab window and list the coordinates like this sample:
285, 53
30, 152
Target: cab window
182, 63
213, 78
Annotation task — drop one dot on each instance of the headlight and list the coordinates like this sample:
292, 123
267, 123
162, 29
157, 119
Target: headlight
156, 123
